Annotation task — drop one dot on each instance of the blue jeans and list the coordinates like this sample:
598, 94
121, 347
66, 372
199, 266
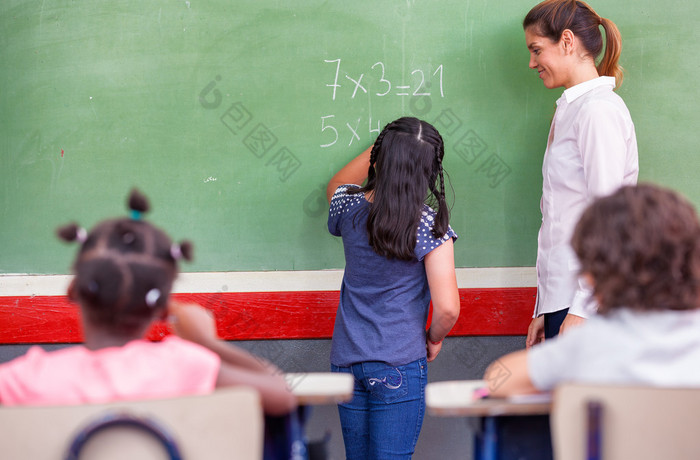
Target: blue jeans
384, 417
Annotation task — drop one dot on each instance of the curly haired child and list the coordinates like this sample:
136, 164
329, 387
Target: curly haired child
639, 249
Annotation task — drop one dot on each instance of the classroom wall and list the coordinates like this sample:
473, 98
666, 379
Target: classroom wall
232, 116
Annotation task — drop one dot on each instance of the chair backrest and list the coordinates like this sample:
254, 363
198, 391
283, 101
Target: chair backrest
223, 425
637, 423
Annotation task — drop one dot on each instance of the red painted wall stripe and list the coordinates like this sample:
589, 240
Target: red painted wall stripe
263, 315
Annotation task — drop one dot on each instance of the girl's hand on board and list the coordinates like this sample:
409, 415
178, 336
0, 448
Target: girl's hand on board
355, 172
192, 322
535, 333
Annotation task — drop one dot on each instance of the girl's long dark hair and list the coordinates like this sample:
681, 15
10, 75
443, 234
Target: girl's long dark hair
405, 172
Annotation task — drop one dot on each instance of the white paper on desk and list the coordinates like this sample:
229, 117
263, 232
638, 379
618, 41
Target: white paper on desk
530, 399
455, 393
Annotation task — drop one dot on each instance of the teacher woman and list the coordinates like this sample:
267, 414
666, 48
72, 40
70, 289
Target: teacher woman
591, 151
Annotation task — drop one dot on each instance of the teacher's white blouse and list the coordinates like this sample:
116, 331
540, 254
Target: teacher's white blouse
592, 151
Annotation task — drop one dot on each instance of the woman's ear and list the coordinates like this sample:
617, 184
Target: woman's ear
567, 41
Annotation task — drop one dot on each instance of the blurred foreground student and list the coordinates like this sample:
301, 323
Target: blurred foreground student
398, 256
124, 272
640, 250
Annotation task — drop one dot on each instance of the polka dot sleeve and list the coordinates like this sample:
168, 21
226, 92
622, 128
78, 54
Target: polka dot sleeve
425, 240
341, 202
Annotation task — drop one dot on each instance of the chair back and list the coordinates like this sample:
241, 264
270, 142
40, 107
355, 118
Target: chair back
226, 424
625, 422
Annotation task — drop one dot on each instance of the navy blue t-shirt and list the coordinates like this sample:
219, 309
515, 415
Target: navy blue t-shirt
384, 302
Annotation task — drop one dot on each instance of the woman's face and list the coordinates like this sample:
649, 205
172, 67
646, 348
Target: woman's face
547, 58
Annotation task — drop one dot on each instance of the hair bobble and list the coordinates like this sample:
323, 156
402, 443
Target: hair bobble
72, 232
176, 251
152, 297
182, 250
81, 235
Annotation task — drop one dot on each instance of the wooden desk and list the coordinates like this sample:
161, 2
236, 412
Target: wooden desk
504, 423
316, 388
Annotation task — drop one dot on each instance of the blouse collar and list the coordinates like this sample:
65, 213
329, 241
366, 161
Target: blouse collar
579, 90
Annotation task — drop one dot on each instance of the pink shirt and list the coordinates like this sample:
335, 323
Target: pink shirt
592, 151
138, 370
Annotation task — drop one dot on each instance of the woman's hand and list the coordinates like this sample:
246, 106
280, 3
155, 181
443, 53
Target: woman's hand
535, 333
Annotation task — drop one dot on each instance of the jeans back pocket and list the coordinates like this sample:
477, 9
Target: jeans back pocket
385, 383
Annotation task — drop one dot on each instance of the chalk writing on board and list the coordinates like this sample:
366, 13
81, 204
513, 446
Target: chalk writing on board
350, 129
354, 85
421, 106
259, 140
466, 143
347, 132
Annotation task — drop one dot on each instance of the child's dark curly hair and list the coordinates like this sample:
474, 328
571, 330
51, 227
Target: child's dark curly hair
641, 246
124, 270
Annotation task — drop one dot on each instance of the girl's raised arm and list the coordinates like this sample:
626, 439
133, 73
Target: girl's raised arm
354, 172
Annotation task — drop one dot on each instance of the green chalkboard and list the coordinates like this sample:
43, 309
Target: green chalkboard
232, 115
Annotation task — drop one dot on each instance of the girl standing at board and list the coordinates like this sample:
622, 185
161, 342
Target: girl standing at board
398, 255
591, 150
